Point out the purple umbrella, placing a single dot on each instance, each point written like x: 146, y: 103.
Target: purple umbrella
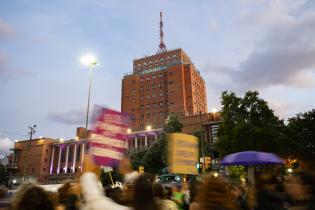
x: 251, y: 158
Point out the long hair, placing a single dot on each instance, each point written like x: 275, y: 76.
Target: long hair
x: 213, y: 194
x: 31, y: 197
x: 144, y: 196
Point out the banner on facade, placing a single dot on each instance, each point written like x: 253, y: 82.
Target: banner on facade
x: 108, y: 141
x: 182, y: 153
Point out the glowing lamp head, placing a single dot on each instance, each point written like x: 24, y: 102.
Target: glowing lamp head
x: 214, y: 110
x: 61, y: 140
x: 215, y: 174
x: 290, y: 170
x: 88, y: 60
x: 128, y: 130
x: 148, y: 127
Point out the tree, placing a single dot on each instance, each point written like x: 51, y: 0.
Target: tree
x: 248, y: 124
x: 4, y: 175
x: 154, y: 159
x: 300, y: 135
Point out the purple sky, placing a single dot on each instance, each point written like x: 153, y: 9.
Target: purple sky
x: 241, y: 45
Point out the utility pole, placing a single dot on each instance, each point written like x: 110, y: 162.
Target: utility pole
x: 202, y: 143
x: 28, y: 147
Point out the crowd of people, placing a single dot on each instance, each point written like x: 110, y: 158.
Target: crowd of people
x: 141, y: 192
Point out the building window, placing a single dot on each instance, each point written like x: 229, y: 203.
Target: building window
x: 154, y: 95
x: 148, y: 115
x: 161, y: 76
x: 142, y: 116
x: 153, y: 77
x: 148, y: 106
x: 141, y: 89
x: 44, y: 169
x: 154, y: 106
x: 33, y: 170
x: 171, y: 82
x: 161, y: 93
x: 141, y: 107
x: 153, y: 86
x: 45, y: 160
x: 132, y: 110
x: 161, y: 114
x: 161, y: 104
x: 148, y: 96
x: 148, y: 78
x: 154, y: 114
x: 141, y: 97
x: 170, y: 73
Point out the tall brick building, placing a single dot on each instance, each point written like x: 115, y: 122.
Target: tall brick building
x: 164, y: 83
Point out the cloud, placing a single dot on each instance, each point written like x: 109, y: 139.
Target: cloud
x: 7, y: 72
x: 71, y: 117
x: 284, y: 52
x: 6, y: 31
x: 5, y: 145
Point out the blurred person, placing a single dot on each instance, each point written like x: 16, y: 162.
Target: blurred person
x: 267, y: 196
x: 308, y: 188
x: 31, y: 197
x: 161, y: 198
x: 143, y: 195
x: 67, y: 196
x: 114, y: 193
x: 4, y: 198
x: 93, y: 196
x: 213, y: 194
x: 178, y: 196
x: 194, y: 205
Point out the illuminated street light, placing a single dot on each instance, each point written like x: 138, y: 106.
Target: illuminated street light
x: 90, y: 61
x: 290, y: 170
x: 215, y: 174
x: 214, y: 111
x: 76, y: 138
x: 128, y: 130
x: 148, y: 127
x: 61, y: 140
x: 93, y: 135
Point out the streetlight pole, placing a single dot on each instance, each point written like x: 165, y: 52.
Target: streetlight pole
x: 88, y: 103
x: 28, y: 147
x: 91, y: 61
x: 202, y: 142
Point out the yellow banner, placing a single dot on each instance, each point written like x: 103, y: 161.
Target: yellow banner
x: 182, y: 153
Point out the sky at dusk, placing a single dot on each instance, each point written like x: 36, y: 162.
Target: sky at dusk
x: 238, y: 45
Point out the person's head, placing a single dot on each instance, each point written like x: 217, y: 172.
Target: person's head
x: 68, y: 195
x: 265, y: 182
x: 143, y: 194
x: 31, y: 197
x: 168, y: 192
x: 213, y: 193
x: 193, y: 190
x: 158, y: 190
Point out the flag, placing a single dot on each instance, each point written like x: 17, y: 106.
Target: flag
x: 108, y: 142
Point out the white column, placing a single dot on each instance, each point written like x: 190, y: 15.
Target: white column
x: 58, y: 168
x: 52, y: 160
x: 82, y: 153
x: 74, y: 157
x: 155, y: 137
x: 67, y: 154
x: 145, y: 140
x: 136, y: 142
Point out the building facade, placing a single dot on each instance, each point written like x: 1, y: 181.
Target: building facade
x: 164, y: 83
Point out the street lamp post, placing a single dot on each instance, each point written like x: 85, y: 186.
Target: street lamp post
x: 28, y: 147
x: 91, y: 61
x: 202, y: 143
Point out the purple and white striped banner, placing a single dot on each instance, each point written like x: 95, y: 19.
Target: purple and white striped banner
x: 108, y: 142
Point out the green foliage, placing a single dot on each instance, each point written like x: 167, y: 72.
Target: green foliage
x: 207, y: 145
x: 236, y: 172
x: 154, y: 159
x: 4, y: 176
x: 300, y: 135
x: 248, y: 124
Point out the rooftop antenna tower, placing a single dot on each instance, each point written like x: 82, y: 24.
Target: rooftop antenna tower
x: 162, y: 46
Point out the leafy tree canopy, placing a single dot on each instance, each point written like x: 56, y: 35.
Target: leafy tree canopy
x: 300, y: 135
x: 154, y: 159
x: 248, y: 124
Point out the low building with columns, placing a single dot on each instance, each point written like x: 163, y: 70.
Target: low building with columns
x: 142, y: 139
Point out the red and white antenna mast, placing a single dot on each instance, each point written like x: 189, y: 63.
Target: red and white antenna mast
x: 162, y: 46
